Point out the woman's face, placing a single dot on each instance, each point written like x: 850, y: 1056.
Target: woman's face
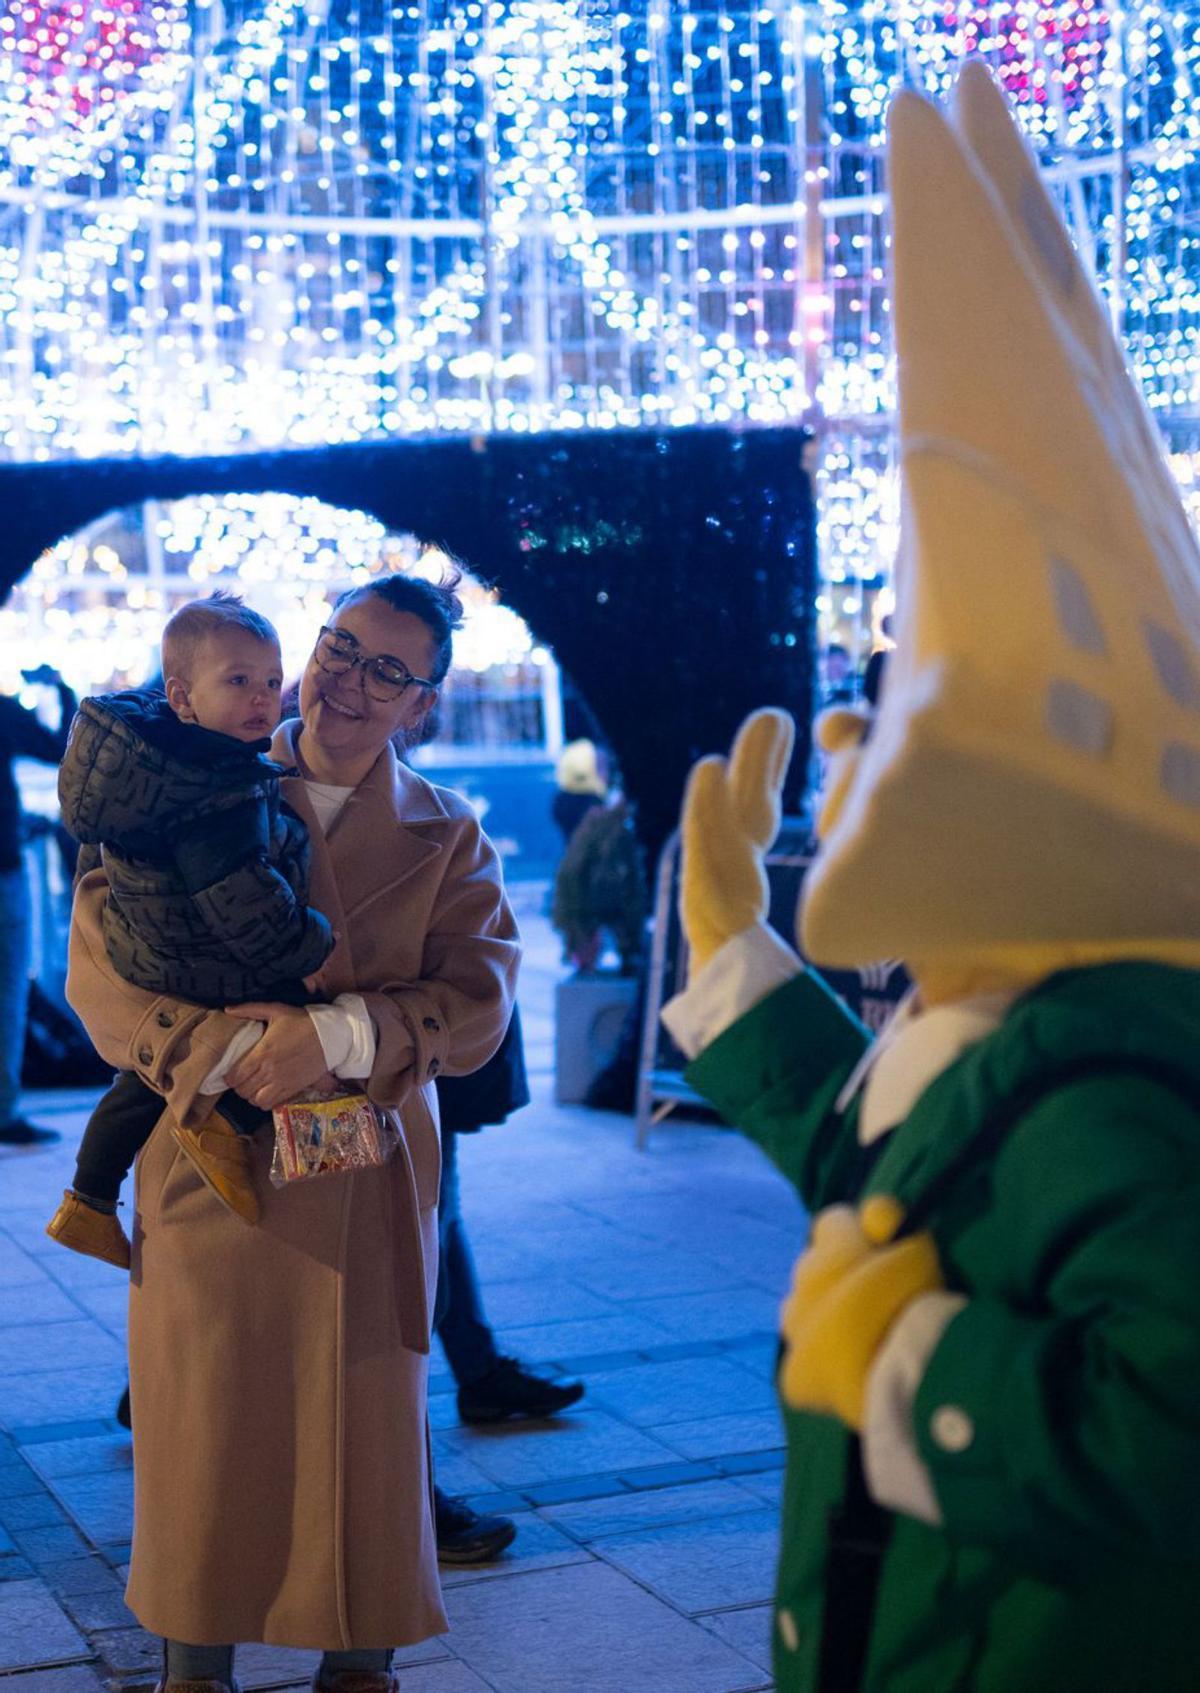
x: 340, y: 715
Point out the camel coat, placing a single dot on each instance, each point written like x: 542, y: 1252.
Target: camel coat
x: 278, y: 1372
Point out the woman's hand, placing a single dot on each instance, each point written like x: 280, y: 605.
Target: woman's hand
x: 286, y: 1061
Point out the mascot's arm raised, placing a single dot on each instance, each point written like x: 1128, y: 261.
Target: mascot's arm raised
x: 772, y: 1046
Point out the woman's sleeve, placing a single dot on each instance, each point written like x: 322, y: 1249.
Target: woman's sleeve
x: 452, y: 1019
x: 171, y: 1044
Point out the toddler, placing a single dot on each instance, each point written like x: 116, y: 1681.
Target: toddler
x: 208, y: 879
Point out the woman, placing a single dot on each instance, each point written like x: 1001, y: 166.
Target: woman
x: 278, y: 1371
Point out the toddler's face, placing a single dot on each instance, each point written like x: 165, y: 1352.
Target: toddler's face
x: 234, y: 688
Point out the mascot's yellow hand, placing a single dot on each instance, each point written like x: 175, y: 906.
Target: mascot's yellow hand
x: 730, y: 817
x: 847, y: 1290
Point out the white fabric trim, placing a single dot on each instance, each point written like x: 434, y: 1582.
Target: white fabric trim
x: 745, y: 970
x: 326, y: 800
x: 347, y: 1035
x: 897, y: 1478
x: 247, y: 1036
x: 916, y: 1047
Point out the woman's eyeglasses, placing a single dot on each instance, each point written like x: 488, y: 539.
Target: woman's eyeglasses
x: 383, y: 678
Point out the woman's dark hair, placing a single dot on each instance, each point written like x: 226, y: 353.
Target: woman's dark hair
x: 436, y: 603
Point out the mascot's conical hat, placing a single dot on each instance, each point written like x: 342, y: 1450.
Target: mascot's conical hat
x: 1033, y: 777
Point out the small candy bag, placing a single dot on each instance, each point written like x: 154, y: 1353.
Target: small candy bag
x: 321, y: 1137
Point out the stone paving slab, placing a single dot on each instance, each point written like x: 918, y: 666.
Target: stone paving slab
x: 722, y: 1315
x: 591, y: 1630
x: 553, y: 1342
x: 540, y: 1545
x: 701, y: 1566
x: 583, y: 1444
x: 450, y: 1676
x: 37, y: 1301
x: 748, y: 1630
x: 34, y: 1629
x: 656, y: 1274
x: 591, y: 1520
x: 710, y: 1437
x: 532, y: 1301
x: 29, y: 1348
x: 646, y: 1517
x: 101, y: 1505
x: 52, y: 1395
x: 675, y: 1392
x: 63, y: 1678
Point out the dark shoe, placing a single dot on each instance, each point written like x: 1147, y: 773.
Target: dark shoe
x: 122, y: 1413
x: 510, y: 1390
x: 166, y: 1685
x: 19, y: 1131
x: 358, y: 1681
x: 465, y: 1537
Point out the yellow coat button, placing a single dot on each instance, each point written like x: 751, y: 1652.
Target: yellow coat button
x: 788, y: 1632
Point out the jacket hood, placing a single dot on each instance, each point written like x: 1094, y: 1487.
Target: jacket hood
x: 132, y: 769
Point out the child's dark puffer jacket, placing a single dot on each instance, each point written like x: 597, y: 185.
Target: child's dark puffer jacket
x: 207, y: 869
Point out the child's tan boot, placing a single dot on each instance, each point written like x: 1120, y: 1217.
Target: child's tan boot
x: 98, y: 1234
x: 222, y: 1157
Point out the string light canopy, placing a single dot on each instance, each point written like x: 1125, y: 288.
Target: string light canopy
x: 230, y: 224
x: 1108, y: 97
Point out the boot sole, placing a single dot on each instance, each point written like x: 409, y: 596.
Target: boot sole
x: 479, y: 1556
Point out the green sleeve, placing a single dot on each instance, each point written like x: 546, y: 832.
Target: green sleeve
x: 1060, y: 1413
x: 776, y: 1073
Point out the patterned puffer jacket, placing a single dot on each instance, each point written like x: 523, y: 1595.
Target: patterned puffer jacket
x: 207, y: 869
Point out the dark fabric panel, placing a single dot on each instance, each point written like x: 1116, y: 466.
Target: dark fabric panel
x: 673, y: 574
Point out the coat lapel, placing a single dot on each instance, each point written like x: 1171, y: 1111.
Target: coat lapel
x: 376, y: 842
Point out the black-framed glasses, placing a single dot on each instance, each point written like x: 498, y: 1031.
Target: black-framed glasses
x: 384, y: 678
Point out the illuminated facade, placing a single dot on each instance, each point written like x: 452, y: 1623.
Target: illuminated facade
x: 301, y: 221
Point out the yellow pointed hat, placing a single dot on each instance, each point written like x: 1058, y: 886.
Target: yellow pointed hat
x: 1032, y: 782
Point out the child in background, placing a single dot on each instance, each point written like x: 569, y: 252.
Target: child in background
x: 208, y: 881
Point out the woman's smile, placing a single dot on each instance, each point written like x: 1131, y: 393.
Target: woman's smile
x: 339, y: 707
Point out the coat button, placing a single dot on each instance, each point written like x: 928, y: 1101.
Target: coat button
x: 788, y: 1632
x: 166, y: 1019
x: 432, y: 1024
x: 434, y: 1067
x: 952, y: 1428
x: 145, y: 1055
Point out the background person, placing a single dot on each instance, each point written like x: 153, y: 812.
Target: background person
x: 22, y: 735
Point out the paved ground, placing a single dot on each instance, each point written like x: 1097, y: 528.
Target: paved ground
x: 647, y: 1518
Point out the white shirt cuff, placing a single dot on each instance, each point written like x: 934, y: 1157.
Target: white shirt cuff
x: 897, y: 1478
x: 347, y: 1036
x: 247, y: 1036
x: 746, y: 969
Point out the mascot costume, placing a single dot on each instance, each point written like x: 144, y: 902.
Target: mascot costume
x: 990, y: 1365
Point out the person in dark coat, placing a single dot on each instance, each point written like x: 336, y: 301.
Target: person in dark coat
x: 208, y: 879
x: 492, y: 1388
x: 21, y: 736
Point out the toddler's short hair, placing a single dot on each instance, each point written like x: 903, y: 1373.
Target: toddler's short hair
x: 193, y: 623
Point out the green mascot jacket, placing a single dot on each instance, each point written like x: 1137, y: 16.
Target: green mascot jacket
x: 1057, y: 1165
